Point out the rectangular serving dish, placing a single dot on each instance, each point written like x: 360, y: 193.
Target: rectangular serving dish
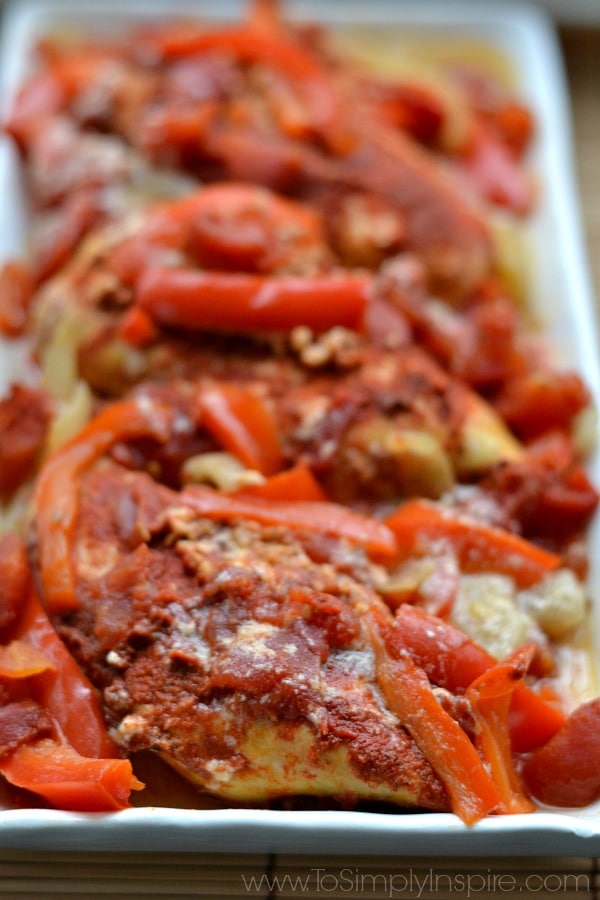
x: 562, y: 299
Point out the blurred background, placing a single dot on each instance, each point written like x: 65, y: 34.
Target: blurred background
x: 580, y: 41
x: 573, y: 10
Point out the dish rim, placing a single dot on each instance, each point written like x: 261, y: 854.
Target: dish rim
x: 258, y: 830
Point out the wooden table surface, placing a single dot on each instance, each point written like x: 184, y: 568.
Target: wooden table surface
x: 27, y: 874
x: 582, y: 59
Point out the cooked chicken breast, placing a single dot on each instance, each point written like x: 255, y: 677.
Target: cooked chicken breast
x: 233, y: 653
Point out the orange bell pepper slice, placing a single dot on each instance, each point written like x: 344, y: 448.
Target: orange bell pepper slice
x: 297, y: 483
x: 241, y: 421
x: 37, y: 660
x: 62, y: 690
x: 69, y: 781
x: 453, y: 661
x: 56, y: 496
x: 319, y: 517
x: 419, y: 525
x: 440, y: 738
x: 490, y: 698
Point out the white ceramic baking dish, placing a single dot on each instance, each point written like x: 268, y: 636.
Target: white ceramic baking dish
x: 562, y: 296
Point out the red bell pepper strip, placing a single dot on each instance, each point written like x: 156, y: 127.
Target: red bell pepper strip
x: 490, y: 698
x: 187, y: 298
x: 56, y: 496
x: 322, y: 518
x: 69, y: 781
x: 240, y: 420
x: 62, y: 690
x: 440, y: 738
x: 566, y: 770
x: 453, y: 661
x: 419, y: 525
x: 297, y: 483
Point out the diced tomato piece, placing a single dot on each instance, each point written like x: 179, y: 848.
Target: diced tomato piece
x: 20, y: 723
x: 14, y: 572
x: 566, y: 770
x: 24, y: 418
x: 16, y: 293
x: 539, y: 402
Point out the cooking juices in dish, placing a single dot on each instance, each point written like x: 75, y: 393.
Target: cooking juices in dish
x: 296, y: 497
